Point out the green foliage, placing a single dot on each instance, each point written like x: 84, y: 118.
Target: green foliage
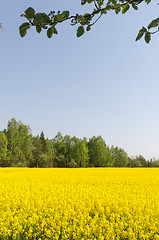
x: 43, y: 142
x: 24, y: 142
x: 88, y: 28
x: 3, y: 148
x: 23, y: 29
x: 42, y: 152
x: 147, y: 1
x: 38, y: 29
x: 146, y: 33
x: 79, y: 152
x: 98, y: 152
x: 29, y: 13
x: 19, y: 142
x: 141, y: 33
x: 154, y: 23
x: 50, y: 153
x: 19, y: 148
x: 66, y: 14
x: 36, y: 152
x: 50, y: 32
x: 147, y: 37
x: 41, y: 19
x: 72, y: 164
x: 100, y: 7
x: 117, y: 10
x: 125, y: 8
x: 13, y: 140
x: 59, y: 146
x: 80, y: 31
x: 134, y: 6
x: 83, y: 2
x: 140, y: 161
x: 119, y: 157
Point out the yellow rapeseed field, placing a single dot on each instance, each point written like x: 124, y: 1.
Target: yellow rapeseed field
x: 93, y: 203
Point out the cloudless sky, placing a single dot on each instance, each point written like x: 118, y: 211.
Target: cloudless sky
x: 103, y: 83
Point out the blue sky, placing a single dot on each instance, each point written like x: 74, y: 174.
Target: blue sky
x: 103, y: 83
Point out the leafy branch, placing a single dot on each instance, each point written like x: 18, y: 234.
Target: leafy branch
x: 146, y: 31
x: 50, y: 21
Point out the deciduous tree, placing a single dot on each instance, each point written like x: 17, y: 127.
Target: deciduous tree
x: 119, y: 157
x: 3, y: 149
x: 99, y: 153
x: 12, y: 134
x: 19, y: 142
x: 80, y: 152
x: 59, y: 145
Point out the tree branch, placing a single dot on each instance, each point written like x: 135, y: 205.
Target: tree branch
x: 43, y: 20
x: 95, y: 21
x: 95, y: 4
x: 154, y: 31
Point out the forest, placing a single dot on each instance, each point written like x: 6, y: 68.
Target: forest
x: 19, y: 148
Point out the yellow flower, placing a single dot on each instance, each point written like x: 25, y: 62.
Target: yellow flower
x: 95, y: 203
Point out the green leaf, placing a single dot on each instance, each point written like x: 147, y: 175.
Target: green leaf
x: 148, y: 1
x: 139, y: 36
x: 60, y: 16
x: 50, y: 32
x: 23, y: 29
x: 108, y: 6
x: 38, y: 29
x: 100, y: 3
x: 55, y: 30
x: 141, y: 33
x: 154, y: 23
x: 88, y: 28
x: 44, y: 26
x: 29, y: 13
x: 104, y: 11
x: 125, y: 8
x: 117, y: 10
x: 134, y: 6
x: 66, y: 13
x: 114, y: 2
x: 74, y: 23
x: 147, y: 37
x: 117, y: 5
x: 82, y: 19
x: 80, y: 31
x: 41, y: 19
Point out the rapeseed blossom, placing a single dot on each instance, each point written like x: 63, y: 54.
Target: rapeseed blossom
x: 93, y: 203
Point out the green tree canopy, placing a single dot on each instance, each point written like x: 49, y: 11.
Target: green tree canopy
x: 19, y: 148
x: 85, y: 21
x: 142, y: 160
x: 60, y: 150
x: 19, y: 142
x: 119, y: 157
x: 38, y: 157
x: 3, y: 148
x: 43, y: 142
x: 79, y: 152
x: 99, y: 153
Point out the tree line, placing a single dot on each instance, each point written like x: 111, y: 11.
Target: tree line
x: 19, y: 148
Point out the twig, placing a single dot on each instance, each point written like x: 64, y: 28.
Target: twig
x: 95, y: 21
x: 96, y: 5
